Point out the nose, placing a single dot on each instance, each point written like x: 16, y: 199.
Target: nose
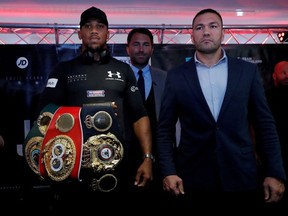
x: 141, y: 48
x: 206, y: 30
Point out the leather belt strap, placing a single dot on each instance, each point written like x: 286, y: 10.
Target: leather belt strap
x: 100, y: 118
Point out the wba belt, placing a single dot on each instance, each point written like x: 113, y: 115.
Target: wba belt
x: 102, y: 148
x: 66, y: 141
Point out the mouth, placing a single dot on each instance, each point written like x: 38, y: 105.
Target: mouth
x: 206, y: 41
x: 94, y: 39
x: 141, y: 55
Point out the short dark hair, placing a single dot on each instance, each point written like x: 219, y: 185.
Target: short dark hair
x: 142, y: 31
x: 207, y: 10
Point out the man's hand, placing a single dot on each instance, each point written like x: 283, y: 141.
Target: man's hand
x: 144, y: 173
x: 273, y: 189
x: 173, y: 184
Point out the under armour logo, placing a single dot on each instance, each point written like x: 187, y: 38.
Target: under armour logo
x: 110, y: 74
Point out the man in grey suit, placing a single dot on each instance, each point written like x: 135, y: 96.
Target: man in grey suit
x: 217, y: 99
x: 140, y: 48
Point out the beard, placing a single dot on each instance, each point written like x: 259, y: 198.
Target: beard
x: 94, y: 50
x: 208, y: 49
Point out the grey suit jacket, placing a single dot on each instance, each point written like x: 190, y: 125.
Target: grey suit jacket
x: 158, y: 83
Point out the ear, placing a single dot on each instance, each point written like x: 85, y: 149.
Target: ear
x: 192, y: 37
x: 223, y: 34
x: 127, y: 50
x: 274, y: 76
x: 108, y: 36
x: 79, y: 35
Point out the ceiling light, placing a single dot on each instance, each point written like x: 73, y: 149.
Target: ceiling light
x: 283, y: 36
x: 239, y: 13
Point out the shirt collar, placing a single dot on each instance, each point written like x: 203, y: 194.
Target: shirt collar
x: 144, y: 70
x: 224, y: 58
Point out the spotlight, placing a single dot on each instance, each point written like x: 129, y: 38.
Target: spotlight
x: 283, y: 36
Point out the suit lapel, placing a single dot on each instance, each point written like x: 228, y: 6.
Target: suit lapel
x: 191, y: 77
x: 234, y: 73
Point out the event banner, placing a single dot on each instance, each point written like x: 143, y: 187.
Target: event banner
x: 24, y: 70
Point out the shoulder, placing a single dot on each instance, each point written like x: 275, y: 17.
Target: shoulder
x: 66, y: 63
x: 240, y: 61
x: 118, y: 64
x: 187, y: 65
x: 116, y: 61
x: 158, y: 71
x: 243, y: 66
x: 158, y: 75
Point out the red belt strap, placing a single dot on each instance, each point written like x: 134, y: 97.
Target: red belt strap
x: 64, y: 134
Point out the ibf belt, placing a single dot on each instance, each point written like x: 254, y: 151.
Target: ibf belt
x: 33, y: 141
x: 61, y: 148
x: 102, y: 148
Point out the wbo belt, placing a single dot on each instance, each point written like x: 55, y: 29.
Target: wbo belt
x: 72, y: 140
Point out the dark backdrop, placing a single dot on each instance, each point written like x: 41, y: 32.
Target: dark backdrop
x: 24, y: 70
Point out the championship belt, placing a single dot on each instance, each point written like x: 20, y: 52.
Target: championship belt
x: 102, y: 148
x: 33, y: 141
x: 61, y: 148
x: 66, y: 141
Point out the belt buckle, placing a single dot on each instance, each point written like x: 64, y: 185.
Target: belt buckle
x: 102, y: 152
